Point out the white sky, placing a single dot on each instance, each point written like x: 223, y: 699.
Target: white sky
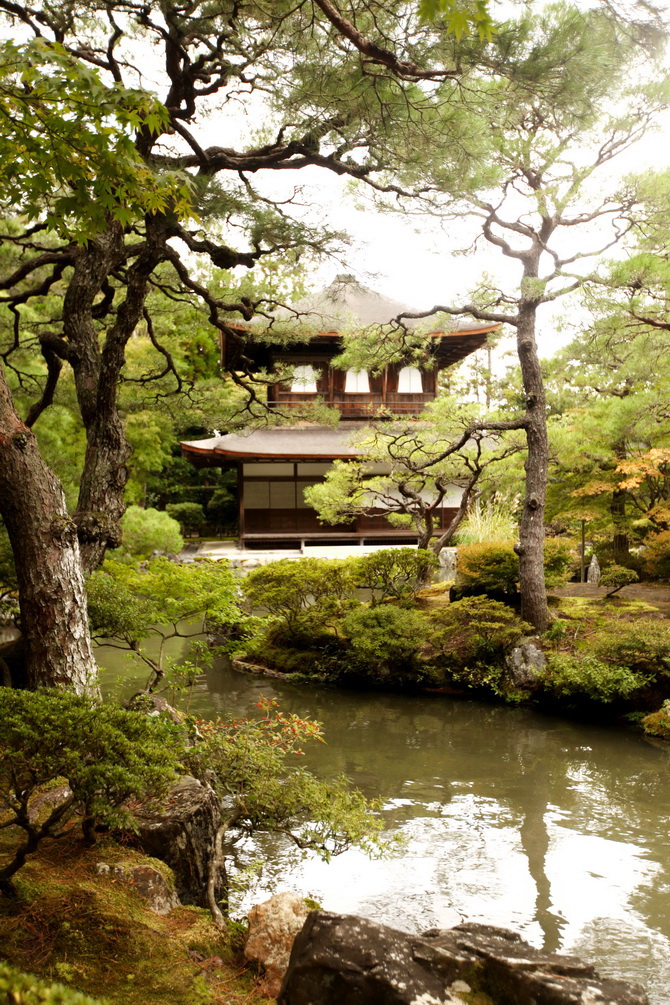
x: 413, y: 260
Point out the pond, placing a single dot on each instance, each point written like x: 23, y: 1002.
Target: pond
x: 556, y: 829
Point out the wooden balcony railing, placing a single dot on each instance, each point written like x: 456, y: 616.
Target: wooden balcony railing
x: 353, y: 406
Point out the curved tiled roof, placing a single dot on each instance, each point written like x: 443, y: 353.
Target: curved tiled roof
x: 348, y: 303
x: 279, y: 443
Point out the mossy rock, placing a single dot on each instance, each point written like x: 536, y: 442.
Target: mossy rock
x: 658, y: 723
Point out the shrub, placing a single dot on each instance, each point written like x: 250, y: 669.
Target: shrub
x: 104, y: 753
x: 656, y: 555
x: 586, y: 676
x: 189, y: 515
x: 471, y: 637
x: 493, y: 566
x: 250, y: 763
x: 386, y: 639
x: 159, y: 600
x: 222, y: 507
x: 302, y: 593
x: 323, y: 663
x: 395, y: 572
x: 616, y: 577
x: 658, y: 723
x: 147, y: 530
x: 475, y: 628
x: 24, y: 989
x: 489, y: 567
x: 558, y: 561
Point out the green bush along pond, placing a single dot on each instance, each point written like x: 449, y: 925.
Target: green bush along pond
x: 601, y: 657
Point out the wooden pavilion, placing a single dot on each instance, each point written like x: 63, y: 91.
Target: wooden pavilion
x: 276, y: 464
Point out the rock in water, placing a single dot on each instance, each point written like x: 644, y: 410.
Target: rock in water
x: 345, y: 960
x: 273, y: 926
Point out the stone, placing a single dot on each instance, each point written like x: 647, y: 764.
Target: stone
x: 346, y: 960
x: 254, y: 668
x: 154, y: 705
x: 153, y: 887
x: 44, y: 802
x: 147, y: 881
x: 273, y: 926
x: 526, y: 663
x: 593, y: 574
x: 182, y: 834
x: 447, y: 564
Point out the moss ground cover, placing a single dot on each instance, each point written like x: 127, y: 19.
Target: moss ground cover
x: 94, y: 934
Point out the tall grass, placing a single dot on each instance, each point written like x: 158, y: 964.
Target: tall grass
x: 493, y: 520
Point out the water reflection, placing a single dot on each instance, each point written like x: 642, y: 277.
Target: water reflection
x: 556, y: 829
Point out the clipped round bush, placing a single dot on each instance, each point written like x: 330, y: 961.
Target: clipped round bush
x: 189, y: 515
x: 396, y: 572
x: 470, y: 639
x: 488, y: 567
x: 493, y: 566
x: 475, y: 628
x: 386, y: 639
x: 615, y: 577
x: 149, y: 530
x: 301, y: 594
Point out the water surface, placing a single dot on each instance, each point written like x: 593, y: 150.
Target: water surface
x: 558, y: 830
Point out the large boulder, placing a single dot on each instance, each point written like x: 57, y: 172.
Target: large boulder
x: 346, y: 960
x: 273, y: 926
x: 182, y: 834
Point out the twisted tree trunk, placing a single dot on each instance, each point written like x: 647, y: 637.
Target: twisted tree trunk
x: 52, y: 597
x: 97, y: 373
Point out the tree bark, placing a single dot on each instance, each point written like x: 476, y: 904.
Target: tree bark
x: 52, y: 596
x: 620, y: 542
x: 97, y: 373
x: 530, y: 548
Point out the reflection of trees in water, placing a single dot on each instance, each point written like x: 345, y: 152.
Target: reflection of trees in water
x: 631, y: 952
x: 601, y: 781
x: 538, y: 768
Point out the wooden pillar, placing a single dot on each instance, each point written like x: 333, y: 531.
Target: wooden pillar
x: 240, y: 504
